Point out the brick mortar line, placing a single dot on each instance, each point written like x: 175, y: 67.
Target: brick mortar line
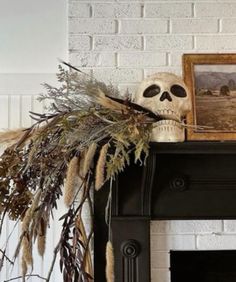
x: 133, y: 2
x: 153, y: 34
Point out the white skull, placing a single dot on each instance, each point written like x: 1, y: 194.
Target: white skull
x: 165, y: 94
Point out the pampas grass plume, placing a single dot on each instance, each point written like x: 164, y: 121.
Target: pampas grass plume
x: 23, y: 268
x: 27, y: 251
x: 11, y: 136
x: 71, y: 181
x: 110, y: 262
x: 89, y: 158
x: 99, y: 180
x: 41, y: 238
x: 27, y: 258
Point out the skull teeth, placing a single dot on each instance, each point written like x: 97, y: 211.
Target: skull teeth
x: 168, y: 123
x: 169, y: 114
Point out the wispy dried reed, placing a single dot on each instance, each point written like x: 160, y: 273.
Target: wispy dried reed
x: 110, y: 262
x: 41, y: 238
x: 100, y: 168
x: 27, y: 258
x: 89, y: 158
x: 71, y: 184
x: 11, y: 136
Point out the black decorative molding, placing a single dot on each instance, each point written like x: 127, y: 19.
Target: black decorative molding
x: 178, y: 183
x: 191, y: 180
x: 131, y: 237
x: 130, y: 250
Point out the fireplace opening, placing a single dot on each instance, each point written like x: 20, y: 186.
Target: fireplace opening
x: 203, y: 266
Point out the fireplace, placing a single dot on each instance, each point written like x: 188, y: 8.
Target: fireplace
x: 204, y: 266
x: 181, y: 203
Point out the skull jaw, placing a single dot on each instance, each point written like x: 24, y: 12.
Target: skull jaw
x: 167, y: 132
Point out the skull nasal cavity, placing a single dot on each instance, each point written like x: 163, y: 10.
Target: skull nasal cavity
x: 165, y: 95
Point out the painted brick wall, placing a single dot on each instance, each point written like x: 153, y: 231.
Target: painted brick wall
x: 187, y: 235
x: 124, y: 41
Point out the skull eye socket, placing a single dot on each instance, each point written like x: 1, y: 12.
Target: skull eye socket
x: 152, y: 91
x: 178, y: 91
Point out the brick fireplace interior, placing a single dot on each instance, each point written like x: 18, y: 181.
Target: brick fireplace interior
x: 204, y: 266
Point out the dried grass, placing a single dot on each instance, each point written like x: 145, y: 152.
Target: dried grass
x: 41, y: 238
x: 27, y: 250
x: 27, y: 257
x: 110, y: 277
x: 89, y: 158
x: 108, y: 103
x: 11, y: 136
x: 24, y: 268
x: 100, y: 168
x: 71, y: 184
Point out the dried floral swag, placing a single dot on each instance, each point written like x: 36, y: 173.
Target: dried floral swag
x: 86, y: 139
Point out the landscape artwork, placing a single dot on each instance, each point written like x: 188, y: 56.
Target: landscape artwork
x: 215, y: 97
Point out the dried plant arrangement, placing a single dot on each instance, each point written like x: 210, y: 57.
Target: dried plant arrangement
x: 86, y: 138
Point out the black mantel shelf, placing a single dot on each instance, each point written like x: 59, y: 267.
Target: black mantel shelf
x: 195, y: 147
x: 190, y: 180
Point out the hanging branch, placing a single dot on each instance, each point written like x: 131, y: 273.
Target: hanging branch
x: 86, y: 138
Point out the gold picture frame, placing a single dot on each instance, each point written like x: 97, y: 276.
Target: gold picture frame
x: 211, y: 79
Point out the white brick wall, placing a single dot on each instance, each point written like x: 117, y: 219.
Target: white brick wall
x: 187, y: 235
x: 108, y: 37
x: 122, y: 41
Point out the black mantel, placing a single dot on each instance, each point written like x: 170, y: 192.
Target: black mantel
x: 190, y: 180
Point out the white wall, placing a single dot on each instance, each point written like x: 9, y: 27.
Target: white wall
x: 33, y: 34
x: 122, y: 41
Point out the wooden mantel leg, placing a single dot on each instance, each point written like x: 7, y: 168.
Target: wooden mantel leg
x: 131, y: 242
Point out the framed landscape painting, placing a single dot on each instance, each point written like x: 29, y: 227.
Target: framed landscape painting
x: 211, y: 79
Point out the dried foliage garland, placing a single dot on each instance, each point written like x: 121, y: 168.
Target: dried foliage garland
x: 86, y: 138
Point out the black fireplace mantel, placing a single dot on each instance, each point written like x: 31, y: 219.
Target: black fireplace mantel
x: 190, y: 180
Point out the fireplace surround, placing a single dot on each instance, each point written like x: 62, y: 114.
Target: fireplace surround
x: 181, y: 181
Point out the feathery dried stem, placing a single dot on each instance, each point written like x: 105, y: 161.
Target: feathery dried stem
x: 11, y: 136
x: 27, y: 257
x: 89, y: 158
x: 110, y: 262
x: 30, y: 212
x: 23, y: 267
x: 100, y: 178
x: 41, y: 238
x: 108, y: 103
x: 71, y: 181
x: 27, y: 251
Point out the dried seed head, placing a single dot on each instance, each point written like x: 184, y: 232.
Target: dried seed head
x: 30, y: 212
x: 23, y: 267
x: 11, y: 136
x: 110, y: 262
x: 27, y: 250
x: 89, y: 158
x: 100, y: 178
x: 71, y: 184
x: 41, y: 238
